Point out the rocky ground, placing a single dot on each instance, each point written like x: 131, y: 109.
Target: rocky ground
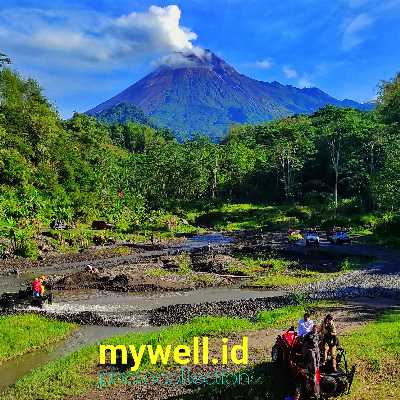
x: 372, y: 283
x: 191, y: 265
x: 164, y: 273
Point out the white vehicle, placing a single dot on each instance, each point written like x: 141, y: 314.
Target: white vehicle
x: 339, y: 237
x: 312, y: 238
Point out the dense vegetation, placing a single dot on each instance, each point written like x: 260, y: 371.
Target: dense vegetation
x: 342, y: 160
x: 122, y: 113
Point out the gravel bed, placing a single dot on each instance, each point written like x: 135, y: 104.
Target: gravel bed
x: 374, y: 283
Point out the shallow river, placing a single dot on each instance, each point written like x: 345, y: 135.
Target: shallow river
x: 125, y: 305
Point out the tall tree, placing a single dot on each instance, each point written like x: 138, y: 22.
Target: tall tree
x: 389, y: 100
x: 337, y: 127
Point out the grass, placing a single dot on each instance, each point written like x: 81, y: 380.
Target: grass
x: 376, y: 227
x: 184, y: 267
x: 266, y: 272
x: 204, y: 279
x: 375, y: 349
x: 157, y: 272
x: 184, y: 264
x: 23, y: 333
x: 233, y: 217
x: 277, y: 272
x: 73, y: 374
x: 352, y: 264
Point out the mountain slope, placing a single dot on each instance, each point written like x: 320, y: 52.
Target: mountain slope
x: 124, y: 112
x: 206, y: 95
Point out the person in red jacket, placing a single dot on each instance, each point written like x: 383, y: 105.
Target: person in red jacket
x: 38, y: 287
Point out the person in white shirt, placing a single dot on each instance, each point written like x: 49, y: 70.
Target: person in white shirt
x: 305, y: 325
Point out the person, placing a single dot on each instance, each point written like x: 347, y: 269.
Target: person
x: 305, y: 325
x: 91, y: 269
x: 311, y: 354
x: 42, y: 280
x: 38, y: 288
x: 329, y: 340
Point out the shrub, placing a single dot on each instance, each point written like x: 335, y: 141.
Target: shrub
x: 27, y: 249
x: 389, y: 225
x: 370, y: 220
x: 185, y: 264
x: 300, y: 212
x: 348, y: 206
x: 22, y: 243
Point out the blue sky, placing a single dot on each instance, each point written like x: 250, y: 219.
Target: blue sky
x: 83, y: 52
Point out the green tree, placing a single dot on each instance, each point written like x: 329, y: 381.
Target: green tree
x: 337, y: 128
x: 386, y: 182
x: 389, y: 100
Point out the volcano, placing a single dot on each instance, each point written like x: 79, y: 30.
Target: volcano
x: 203, y: 94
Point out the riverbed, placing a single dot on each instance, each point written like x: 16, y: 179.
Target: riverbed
x: 121, y: 312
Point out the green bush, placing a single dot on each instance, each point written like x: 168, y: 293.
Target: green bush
x: 300, y: 212
x: 370, y: 220
x: 389, y: 225
x: 348, y: 206
x: 27, y: 249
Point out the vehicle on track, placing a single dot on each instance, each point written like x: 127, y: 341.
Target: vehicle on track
x: 293, y: 236
x: 312, y: 238
x: 338, y: 237
x: 326, y: 384
x: 102, y: 225
x: 24, y: 298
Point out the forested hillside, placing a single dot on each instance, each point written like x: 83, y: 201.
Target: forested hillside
x: 80, y: 169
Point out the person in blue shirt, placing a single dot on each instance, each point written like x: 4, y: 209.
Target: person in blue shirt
x: 305, y: 325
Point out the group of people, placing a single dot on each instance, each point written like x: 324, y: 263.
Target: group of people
x: 317, y: 339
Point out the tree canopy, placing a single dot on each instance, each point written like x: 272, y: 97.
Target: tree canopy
x: 81, y: 168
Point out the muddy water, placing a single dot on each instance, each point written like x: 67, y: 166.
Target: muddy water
x: 85, y: 300
x: 11, y: 370
x: 131, y: 309
x: 124, y: 308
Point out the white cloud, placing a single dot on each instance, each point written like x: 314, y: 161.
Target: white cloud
x: 183, y: 58
x: 263, y: 64
x: 89, y: 39
x: 353, y: 29
x: 290, y: 72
